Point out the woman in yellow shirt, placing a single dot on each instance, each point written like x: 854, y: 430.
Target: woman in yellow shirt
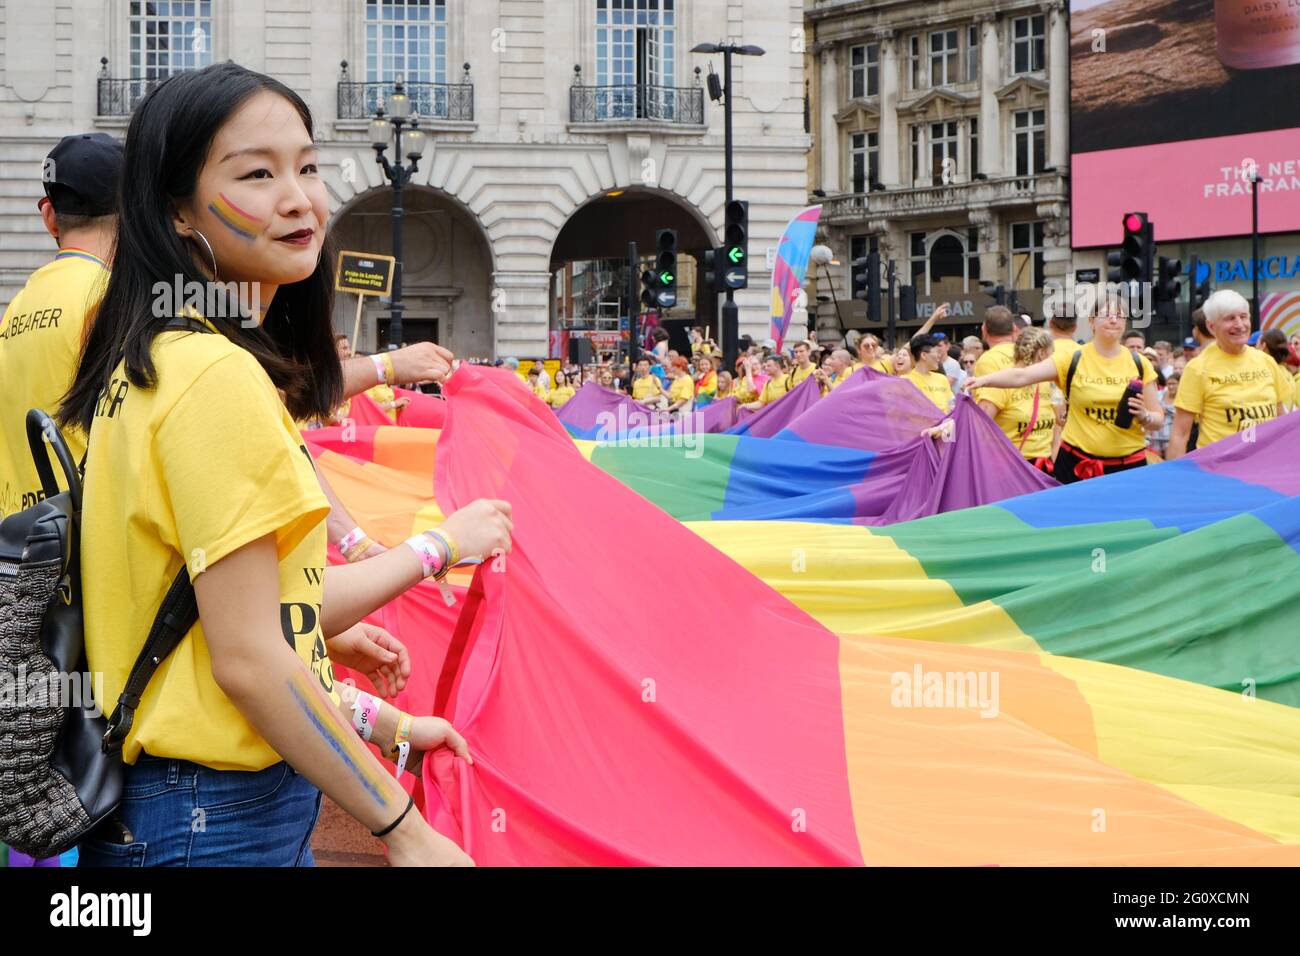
x: 1026, y: 415
x: 928, y: 353
x: 1104, y: 384
x: 646, y: 388
x: 562, y: 392
x: 682, y: 391
x: 778, y: 382
x: 747, y: 386
x: 706, y: 381
x: 900, y: 361
x: 1231, y: 388
x: 197, y: 472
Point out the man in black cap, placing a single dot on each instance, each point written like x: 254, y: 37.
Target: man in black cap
x: 40, y: 335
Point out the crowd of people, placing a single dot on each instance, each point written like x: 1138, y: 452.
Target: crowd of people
x: 1074, y: 409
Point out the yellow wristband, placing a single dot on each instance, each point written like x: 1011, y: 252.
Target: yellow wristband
x: 357, y: 552
x: 390, y: 374
x: 452, y: 551
x: 403, y: 734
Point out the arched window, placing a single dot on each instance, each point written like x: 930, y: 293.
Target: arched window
x: 944, y: 262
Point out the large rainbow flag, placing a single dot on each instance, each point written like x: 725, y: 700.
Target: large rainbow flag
x: 1099, y: 673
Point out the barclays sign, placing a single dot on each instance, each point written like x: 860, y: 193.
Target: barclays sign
x: 1241, y: 270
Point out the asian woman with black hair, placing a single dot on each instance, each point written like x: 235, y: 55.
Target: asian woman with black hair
x: 195, y: 461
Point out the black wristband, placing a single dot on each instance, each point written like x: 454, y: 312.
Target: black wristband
x: 410, y: 802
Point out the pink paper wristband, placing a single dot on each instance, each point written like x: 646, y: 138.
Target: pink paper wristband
x: 431, y: 558
x: 365, y: 711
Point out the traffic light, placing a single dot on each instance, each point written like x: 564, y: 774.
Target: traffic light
x: 649, y: 289
x: 659, y: 290
x: 873, y: 283
x: 1135, y: 260
x: 858, y: 277
x: 866, y: 283
x: 735, y: 250
x: 713, y: 269
x: 666, y: 268
x: 1167, y: 287
x: 1198, y: 285
x: 906, y: 304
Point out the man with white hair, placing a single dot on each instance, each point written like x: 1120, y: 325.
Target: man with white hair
x: 840, y: 365
x: 1230, y: 387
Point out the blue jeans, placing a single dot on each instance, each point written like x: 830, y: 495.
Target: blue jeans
x: 184, y: 814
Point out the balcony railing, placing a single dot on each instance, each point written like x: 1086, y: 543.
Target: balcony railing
x: 119, y: 97
x: 436, y: 101
x: 643, y: 101
x: 925, y: 199
x: 448, y: 101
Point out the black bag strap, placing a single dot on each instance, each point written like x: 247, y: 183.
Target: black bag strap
x: 175, y: 617
x: 42, y: 430
x: 1069, y: 376
x: 177, y: 614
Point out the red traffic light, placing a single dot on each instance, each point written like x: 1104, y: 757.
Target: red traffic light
x: 1133, y: 222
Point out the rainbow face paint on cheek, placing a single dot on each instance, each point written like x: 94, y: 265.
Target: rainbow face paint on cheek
x: 242, y: 224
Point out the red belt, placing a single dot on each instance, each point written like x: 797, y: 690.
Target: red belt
x: 1092, y: 467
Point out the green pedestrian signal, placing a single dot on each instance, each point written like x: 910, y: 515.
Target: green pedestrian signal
x: 664, y: 293
x: 735, y: 235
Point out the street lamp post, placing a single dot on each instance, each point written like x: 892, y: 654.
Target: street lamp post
x: 823, y: 256
x: 385, y: 131
x: 730, y: 314
x: 1254, y: 248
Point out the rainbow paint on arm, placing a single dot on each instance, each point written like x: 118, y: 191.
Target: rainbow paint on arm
x: 242, y: 224
x: 345, y: 745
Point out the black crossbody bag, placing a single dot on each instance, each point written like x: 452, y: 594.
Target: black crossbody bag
x: 61, y: 769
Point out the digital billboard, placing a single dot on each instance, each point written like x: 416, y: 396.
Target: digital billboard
x: 1175, y: 105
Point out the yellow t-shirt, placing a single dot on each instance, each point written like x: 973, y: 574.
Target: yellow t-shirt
x: 934, y: 386
x: 384, y: 396
x: 1068, y: 346
x: 844, y: 376
x: 797, y: 375
x: 1099, y: 384
x: 1229, y: 393
x: 1059, y: 346
x: 40, y: 340
x: 879, y: 365
x: 646, y: 387
x: 774, y: 389
x: 188, y: 472
x: 1015, y: 410
x: 994, y: 359
x: 560, y: 394
x: 682, y: 390
x: 743, y: 391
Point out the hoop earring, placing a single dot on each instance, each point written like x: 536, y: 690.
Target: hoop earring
x: 208, y: 245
